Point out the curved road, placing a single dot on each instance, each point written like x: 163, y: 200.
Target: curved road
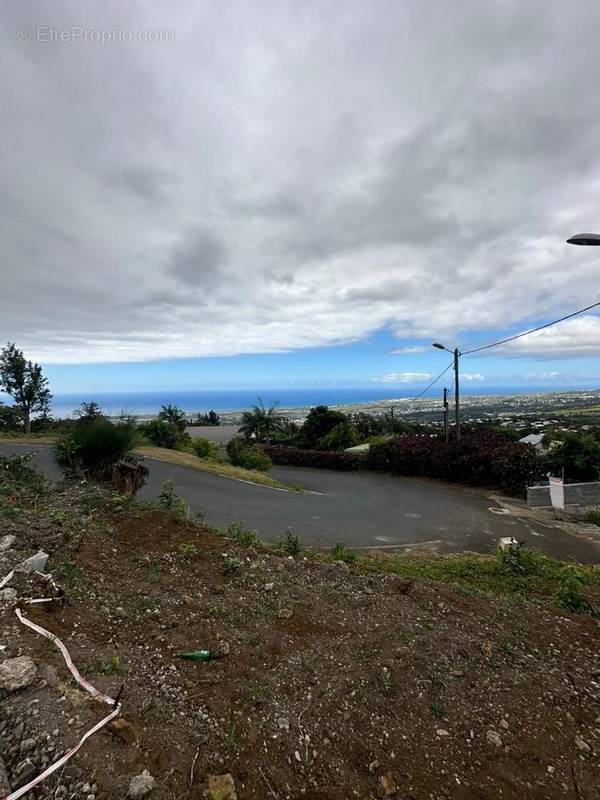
x: 363, y: 510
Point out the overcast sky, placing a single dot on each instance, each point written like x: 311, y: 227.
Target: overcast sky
x: 287, y: 175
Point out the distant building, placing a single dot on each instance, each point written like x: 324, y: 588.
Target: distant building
x: 534, y: 439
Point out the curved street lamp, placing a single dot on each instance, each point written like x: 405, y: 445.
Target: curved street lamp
x: 589, y: 239
x: 455, y: 353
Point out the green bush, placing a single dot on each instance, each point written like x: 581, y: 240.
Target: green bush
x: 290, y: 544
x: 203, y: 448
x: 165, y: 434
x: 592, y: 517
x: 239, y: 533
x: 569, y: 594
x: 341, y: 553
x: 90, y: 450
x: 248, y: 457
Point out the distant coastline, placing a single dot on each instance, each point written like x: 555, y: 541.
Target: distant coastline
x: 232, y: 402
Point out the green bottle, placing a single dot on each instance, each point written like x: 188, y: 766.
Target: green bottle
x: 198, y: 655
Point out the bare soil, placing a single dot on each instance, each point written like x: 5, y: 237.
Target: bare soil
x: 374, y: 686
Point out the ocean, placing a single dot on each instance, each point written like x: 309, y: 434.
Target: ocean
x: 149, y: 403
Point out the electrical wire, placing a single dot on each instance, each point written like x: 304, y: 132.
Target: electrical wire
x: 533, y: 330
x: 433, y: 382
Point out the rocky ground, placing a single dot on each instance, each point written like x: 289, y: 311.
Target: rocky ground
x: 328, y: 684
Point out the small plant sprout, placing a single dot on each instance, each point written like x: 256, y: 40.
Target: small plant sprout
x: 188, y: 549
x: 385, y: 679
x: 438, y: 710
x: 232, y: 565
x: 341, y: 553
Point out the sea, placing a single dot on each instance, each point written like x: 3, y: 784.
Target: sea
x: 142, y: 404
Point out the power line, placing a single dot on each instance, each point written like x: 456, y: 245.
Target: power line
x: 433, y: 382
x: 533, y: 330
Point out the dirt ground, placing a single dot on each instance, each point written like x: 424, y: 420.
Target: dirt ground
x: 372, y: 686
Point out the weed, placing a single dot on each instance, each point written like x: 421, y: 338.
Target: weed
x: 70, y: 575
x: 154, y: 569
x: 341, y: 553
x: 169, y: 501
x: 59, y: 517
x: 256, y: 690
x: 592, y: 517
x: 239, y: 533
x: 385, y: 679
x: 438, y: 710
x: 188, y: 549
x: 520, y: 560
x: 229, y: 739
x: 569, y: 594
x: 113, y: 667
x: 232, y: 566
x: 290, y: 544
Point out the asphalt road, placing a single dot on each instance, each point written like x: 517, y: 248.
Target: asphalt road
x: 363, y: 510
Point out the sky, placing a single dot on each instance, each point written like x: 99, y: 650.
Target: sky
x: 204, y: 195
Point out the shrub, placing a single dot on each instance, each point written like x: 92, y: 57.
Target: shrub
x: 290, y: 544
x: 569, y: 594
x: 341, y: 553
x: 323, y: 459
x: 169, y: 501
x: 248, y: 457
x: 520, y: 560
x: 17, y: 473
x: 203, y: 448
x: 592, y: 517
x: 90, y: 450
x: 484, y: 458
x: 164, y: 434
x: 239, y: 533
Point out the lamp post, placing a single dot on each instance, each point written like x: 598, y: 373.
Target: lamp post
x: 589, y: 239
x: 456, y: 354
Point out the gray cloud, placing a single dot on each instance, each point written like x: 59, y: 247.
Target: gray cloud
x: 300, y: 176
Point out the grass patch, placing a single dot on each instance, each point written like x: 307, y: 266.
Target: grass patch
x: 532, y: 576
x: 27, y: 438
x: 216, y: 468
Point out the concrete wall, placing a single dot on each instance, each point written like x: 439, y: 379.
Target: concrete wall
x: 583, y: 494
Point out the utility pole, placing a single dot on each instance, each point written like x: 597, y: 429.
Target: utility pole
x: 446, y: 429
x: 456, y: 395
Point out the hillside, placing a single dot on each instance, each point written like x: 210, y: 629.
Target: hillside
x: 333, y: 681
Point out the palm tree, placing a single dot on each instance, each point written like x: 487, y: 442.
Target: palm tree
x: 260, y: 423
x: 173, y: 415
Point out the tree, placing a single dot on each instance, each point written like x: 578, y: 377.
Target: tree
x: 11, y: 418
x: 212, y: 418
x: 339, y: 438
x: 173, y: 415
x: 88, y: 412
x: 25, y: 383
x: 578, y: 455
x: 260, y: 422
x: 319, y: 422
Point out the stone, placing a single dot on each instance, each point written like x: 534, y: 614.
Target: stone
x: 373, y: 766
x: 504, y: 724
x: 120, y: 612
x: 141, y: 785
x: 494, y: 738
x: 269, y: 587
x: 401, y: 585
x: 36, y: 563
x: 221, y: 786
x: 4, y: 784
x: 222, y: 649
x: 6, y: 542
x: 442, y: 732
x: 341, y: 565
x: 582, y: 746
x: 387, y: 785
x: 25, y: 772
x: 283, y: 724
x: 284, y: 613
x: 125, y: 731
x: 17, y: 673
x: 8, y: 597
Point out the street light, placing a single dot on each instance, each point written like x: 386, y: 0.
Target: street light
x: 456, y: 354
x: 589, y: 239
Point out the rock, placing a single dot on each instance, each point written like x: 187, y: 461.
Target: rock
x: 387, y: 785
x: 141, y: 785
x: 442, y: 732
x: 36, y: 563
x: 4, y: 784
x: 487, y: 648
x: 401, y: 585
x: 8, y: 597
x: 283, y: 724
x: 284, y: 613
x: 17, y: 673
x: 297, y: 756
x: 494, y: 738
x: 341, y: 565
x: 222, y: 649
x: 373, y: 766
x: 125, y: 731
x: 504, y: 724
x: 583, y: 746
x: 269, y: 587
x: 221, y: 787
x: 25, y: 772
x: 120, y: 612
x: 6, y: 542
